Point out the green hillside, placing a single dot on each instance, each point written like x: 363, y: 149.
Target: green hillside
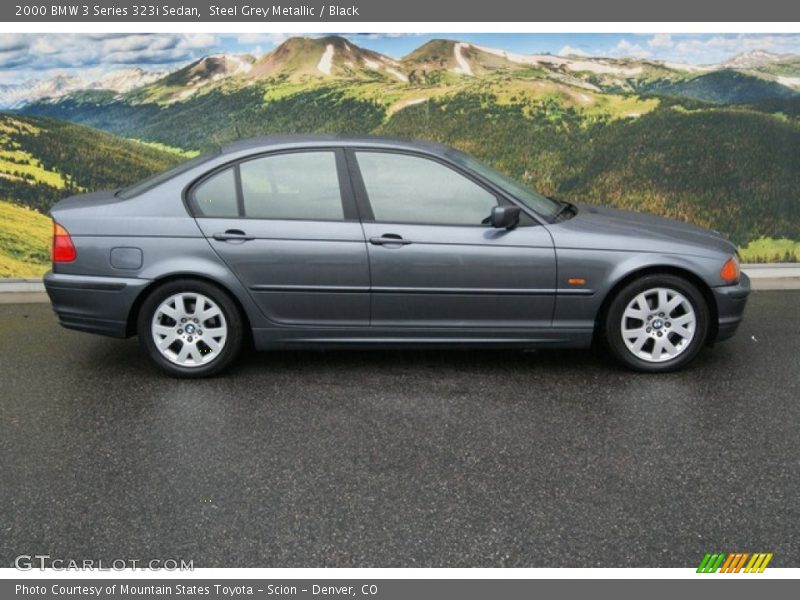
x: 24, y: 241
x: 43, y: 160
x: 719, y: 87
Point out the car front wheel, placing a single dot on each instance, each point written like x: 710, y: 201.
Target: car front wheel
x: 657, y: 323
x: 190, y: 328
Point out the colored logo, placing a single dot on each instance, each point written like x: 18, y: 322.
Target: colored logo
x: 734, y: 562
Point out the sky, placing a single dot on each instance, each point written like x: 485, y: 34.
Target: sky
x: 39, y: 56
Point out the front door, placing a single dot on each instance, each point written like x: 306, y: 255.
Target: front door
x: 433, y: 261
x: 286, y: 225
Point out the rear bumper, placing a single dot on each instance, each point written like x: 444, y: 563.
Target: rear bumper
x: 731, y: 300
x: 93, y: 304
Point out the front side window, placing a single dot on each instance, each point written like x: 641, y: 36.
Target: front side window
x: 537, y: 202
x: 298, y: 185
x: 410, y: 189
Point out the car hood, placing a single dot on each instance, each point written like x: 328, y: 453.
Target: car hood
x: 644, y: 231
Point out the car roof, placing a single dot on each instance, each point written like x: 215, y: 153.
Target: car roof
x: 327, y: 140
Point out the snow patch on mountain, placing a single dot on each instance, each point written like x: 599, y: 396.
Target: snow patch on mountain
x: 510, y: 56
x: 378, y: 65
x: 754, y: 58
x: 463, y: 66
x: 372, y: 64
x: 676, y: 66
x: 325, y: 63
x: 124, y: 80
x: 592, y: 66
x: 792, y: 82
x: 119, y: 81
x: 395, y: 73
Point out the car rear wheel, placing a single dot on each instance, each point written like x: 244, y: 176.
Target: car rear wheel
x: 190, y: 328
x: 657, y: 323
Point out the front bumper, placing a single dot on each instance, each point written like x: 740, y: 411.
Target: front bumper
x: 99, y: 305
x: 731, y: 300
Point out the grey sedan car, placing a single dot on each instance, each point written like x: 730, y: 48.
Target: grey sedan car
x: 323, y: 242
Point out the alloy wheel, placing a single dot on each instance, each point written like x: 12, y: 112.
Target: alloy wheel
x: 658, y: 324
x: 189, y: 329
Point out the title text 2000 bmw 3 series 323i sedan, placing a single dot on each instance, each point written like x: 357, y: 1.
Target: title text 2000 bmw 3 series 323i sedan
x: 364, y: 242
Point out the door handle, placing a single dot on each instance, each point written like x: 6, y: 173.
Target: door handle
x: 233, y: 235
x: 388, y: 239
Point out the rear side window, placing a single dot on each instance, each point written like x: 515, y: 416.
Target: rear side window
x: 216, y: 196
x: 295, y: 185
x: 298, y: 185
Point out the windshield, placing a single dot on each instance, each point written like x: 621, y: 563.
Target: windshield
x: 154, y: 180
x: 542, y: 205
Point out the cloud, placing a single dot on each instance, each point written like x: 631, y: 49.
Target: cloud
x: 661, y: 40
x: 625, y: 49
x: 720, y: 47
x: 378, y: 36
x: 265, y: 39
x: 43, y: 52
x: 11, y: 60
x: 572, y: 50
x: 12, y: 42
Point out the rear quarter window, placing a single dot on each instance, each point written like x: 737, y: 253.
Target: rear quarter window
x: 216, y: 196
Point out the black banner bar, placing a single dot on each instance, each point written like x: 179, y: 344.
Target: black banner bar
x: 730, y: 587
x: 262, y: 11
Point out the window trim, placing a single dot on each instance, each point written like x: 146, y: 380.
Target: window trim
x: 365, y: 207
x: 348, y: 203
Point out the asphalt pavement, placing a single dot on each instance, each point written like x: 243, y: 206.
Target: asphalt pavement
x: 400, y: 459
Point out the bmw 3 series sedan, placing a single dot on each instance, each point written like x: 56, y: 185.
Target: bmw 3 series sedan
x: 323, y: 242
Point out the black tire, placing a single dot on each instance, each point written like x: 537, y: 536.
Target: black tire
x: 612, y: 323
x: 230, y: 312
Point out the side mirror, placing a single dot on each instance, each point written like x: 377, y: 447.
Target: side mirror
x: 505, y: 217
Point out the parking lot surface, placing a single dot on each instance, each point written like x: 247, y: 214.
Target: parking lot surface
x: 400, y: 459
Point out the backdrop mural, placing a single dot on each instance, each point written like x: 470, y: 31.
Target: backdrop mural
x: 700, y: 128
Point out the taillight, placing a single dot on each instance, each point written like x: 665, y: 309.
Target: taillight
x: 730, y: 270
x: 63, y: 248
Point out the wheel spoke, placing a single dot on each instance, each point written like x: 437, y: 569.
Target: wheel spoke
x: 180, y: 307
x: 164, y: 330
x: 169, y: 311
x: 639, y: 343
x: 212, y: 344
x: 668, y: 346
x: 166, y: 342
x: 194, y: 354
x: 183, y: 354
x: 661, y: 304
x: 674, y: 303
x: 682, y: 332
x: 641, y: 302
x: 635, y: 313
x: 209, y: 313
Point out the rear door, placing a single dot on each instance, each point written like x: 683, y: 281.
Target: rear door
x: 286, y: 225
x: 434, y: 262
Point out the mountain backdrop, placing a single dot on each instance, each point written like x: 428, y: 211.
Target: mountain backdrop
x: 717, y: 145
